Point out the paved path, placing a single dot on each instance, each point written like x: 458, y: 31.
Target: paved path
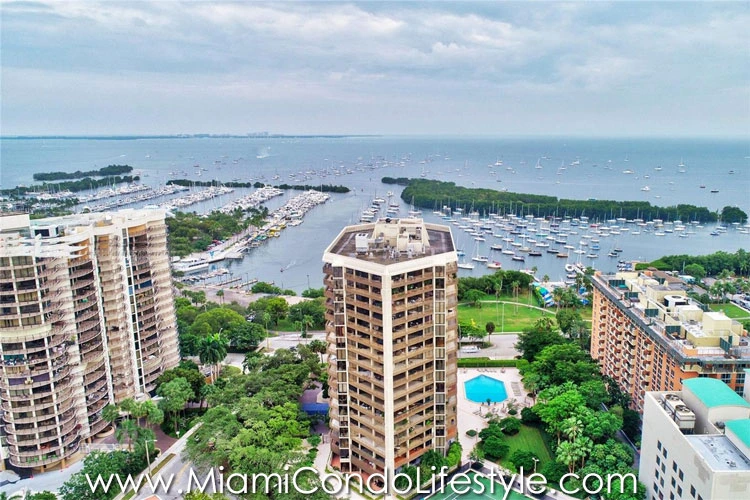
x: 503, y: 347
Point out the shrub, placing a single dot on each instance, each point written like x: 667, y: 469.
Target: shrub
x: 523, y: 458
x: 510, y: 425
x: 314, y: 440
x: 529, y: 417
x: 486, y: 362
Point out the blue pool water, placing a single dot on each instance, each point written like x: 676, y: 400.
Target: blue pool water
x: 480, y: 388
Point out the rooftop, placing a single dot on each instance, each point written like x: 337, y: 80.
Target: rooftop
x: 713, y: 392
x: 741, y: 428
x: 719, y: 452
x: 681, y: 324
x: 389, y: 241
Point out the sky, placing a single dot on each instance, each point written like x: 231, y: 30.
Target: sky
x: 415, y: 68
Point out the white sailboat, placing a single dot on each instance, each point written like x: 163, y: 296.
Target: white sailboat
x: 477, y: 257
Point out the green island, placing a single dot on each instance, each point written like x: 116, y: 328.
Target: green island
x: 78, y: 174
x: 325, y: 188
x: 427, y: 193
x: 73, y: 186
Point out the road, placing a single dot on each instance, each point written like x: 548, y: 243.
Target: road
x: 176, y: 473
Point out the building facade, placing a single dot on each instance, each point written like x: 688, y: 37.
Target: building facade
x: 648, y: 335
x: 86, y: 319
x: 391, y: 294
x: 696, y: 443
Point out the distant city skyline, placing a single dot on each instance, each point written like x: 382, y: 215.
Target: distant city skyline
x: 436, y: 68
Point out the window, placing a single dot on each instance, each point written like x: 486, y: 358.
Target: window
x: 664, y: 453
x: 681, y: 475
x: 674, y: 482
x: 658, y: 445
x: 658, y: 460
x: 679, y: 491
x: 692, y: 491
x: 700, y: 497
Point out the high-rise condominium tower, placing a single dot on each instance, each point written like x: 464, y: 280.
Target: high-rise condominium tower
x: 391, y: 290
x: 86, y: 318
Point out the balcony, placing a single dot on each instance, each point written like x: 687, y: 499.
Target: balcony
x: 96, y: 407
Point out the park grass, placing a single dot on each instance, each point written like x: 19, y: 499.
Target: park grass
x: 285, y: 325
x: 528, y: 439
x: 516, y: 318
x: 730, y: 310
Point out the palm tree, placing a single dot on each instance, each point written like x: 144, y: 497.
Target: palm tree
x: 583, y: 446
x: 318, y: 346
x: 154, y: 415
x: 220, y: 294
x: 211, y: 351
x: 110, y: 413
x: 139, y: 411
x: 127, y: 431
x: 305, y: 323
x: 516, y: 286
x: 567, y: 455
x: 572, y: 428
x: 128, y: 406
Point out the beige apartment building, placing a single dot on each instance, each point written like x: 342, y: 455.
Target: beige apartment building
x: 391, y: 290
x: 648, y: 335
x: 86, y: 319
x: 696, y: 443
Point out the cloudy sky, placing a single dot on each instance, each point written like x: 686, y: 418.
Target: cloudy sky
x: 587, y: 68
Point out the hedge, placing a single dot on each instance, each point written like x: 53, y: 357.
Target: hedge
x: 487, y: 362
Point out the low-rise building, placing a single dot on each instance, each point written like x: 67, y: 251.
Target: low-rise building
x: 696, y: 443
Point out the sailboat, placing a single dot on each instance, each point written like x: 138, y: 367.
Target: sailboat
x: 462, y: 264
x: 539, y: 163
x: 413, y: 211
x: 477, y: 257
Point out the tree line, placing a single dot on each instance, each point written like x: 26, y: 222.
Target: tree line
x: 700, y: 266
x: 101, y: 172
x: 74, y: 186
x: 426, y: 193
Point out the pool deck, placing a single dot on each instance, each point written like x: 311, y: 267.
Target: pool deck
x: 471, y: 415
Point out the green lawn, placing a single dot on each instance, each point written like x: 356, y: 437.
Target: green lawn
x: 528, y: 439
x: 730, y: 310
x: 514, y: 319
x: 285, y: 325
x: 484, y: 492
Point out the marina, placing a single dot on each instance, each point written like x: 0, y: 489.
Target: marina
x: 360, y: 163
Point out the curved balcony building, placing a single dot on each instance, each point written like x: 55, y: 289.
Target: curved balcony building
x: 77, y: 328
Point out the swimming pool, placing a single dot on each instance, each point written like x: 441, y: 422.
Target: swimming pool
x: 481, y: 388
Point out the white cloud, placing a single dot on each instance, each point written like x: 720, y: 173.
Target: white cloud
x: 425, y: 56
